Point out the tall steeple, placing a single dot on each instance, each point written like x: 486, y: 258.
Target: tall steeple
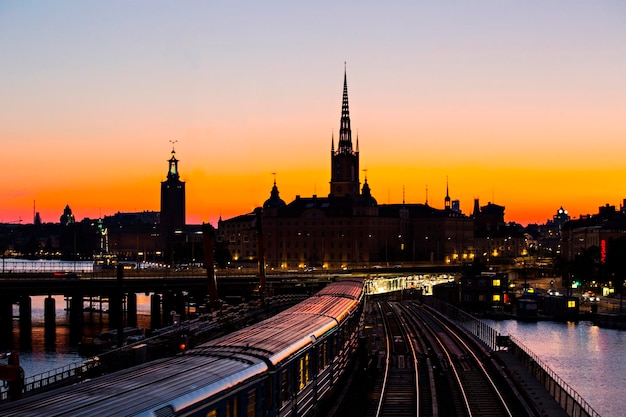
x: 344, y: 180
x: 345, y: 133
x: 447, y: 203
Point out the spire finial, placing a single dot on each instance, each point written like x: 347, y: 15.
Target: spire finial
x: 274, y: 174
x: 173, y: 142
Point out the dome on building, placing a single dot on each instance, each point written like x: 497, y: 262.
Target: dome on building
x: 274, y: 201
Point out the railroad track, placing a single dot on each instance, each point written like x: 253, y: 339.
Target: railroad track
x: 399, y: 391
x: 467, y: 382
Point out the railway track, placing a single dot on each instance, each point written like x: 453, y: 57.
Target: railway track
x: 399, y: 391
x: 423, y: 365
x: 467, y: 381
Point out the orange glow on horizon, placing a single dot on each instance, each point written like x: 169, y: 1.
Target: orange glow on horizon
x: 530, y: 196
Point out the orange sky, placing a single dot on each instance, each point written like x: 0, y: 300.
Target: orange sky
x: 522, y: 105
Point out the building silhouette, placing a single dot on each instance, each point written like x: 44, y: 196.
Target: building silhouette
x: 348, y: 228
x: 172, y: 219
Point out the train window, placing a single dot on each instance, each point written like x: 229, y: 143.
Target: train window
x: 307, y: 368
x: 284, y: 387
x: 269, y: 392
x: 251, y: 409
x: 232, y: 407
x: 303, y: 371
x: 212, y: 413
x: 323, y: 355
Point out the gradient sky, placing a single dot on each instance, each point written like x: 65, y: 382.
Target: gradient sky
x: 521, y: 103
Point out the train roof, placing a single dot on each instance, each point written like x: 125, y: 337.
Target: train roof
x: 295, y: 328
x: 177, y: 381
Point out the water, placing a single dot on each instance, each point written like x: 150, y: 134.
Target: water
x: 590, y: 359
x: 40, y: 358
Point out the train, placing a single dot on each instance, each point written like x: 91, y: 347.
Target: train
x: 283, y: 366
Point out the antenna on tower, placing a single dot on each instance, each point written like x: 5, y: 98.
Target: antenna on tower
x: 403, y: 194
x: 426, y: 194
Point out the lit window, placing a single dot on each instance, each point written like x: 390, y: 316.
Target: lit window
x: 496, y: 282
x: 497, y: 297
x: 571, y: 304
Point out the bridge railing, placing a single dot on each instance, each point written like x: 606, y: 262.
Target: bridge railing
x: 567, y: 397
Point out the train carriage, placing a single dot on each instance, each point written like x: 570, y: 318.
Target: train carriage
x: 282, y: 366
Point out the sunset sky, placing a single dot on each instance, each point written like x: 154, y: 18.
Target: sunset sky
x: 521, y: 103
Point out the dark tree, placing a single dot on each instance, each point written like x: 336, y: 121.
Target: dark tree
x: 615, y: 265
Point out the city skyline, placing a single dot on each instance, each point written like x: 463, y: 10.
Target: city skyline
x: 516, y: 104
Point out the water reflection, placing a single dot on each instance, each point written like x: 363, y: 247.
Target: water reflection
x: 590, y: 359
x: 46, y: 350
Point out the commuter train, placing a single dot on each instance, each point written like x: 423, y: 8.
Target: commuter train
x: 282, y: 367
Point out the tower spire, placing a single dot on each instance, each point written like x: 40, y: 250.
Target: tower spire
x: 345, y: 133
x: 344, y: 179
x: 447, y: 204
x: 172, y: 172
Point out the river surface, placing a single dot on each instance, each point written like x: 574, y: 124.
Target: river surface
x: 590, y: 359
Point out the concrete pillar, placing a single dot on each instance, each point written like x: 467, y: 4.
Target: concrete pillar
x: 50, y: 325
x: 155, y: 311
x: 115, y: 311
x: 179, y: 305
x: 76, y: 319
x: 26, y: 322
x: 168, y: 307
x: 6, y: 323
x: 131, y: 309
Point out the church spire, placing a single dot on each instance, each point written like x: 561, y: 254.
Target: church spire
x: 345, y: 133
x: 447, y: 203
x: 344, y: 178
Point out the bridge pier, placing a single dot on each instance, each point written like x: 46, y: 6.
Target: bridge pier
x: 76, y: 319
x: 168, y: 307
x: 26, y: 322
x: 155, y: 311
x: 180, y: 305
x: 50, y: 325
x: 6, y: 322
x: 131, y: 309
